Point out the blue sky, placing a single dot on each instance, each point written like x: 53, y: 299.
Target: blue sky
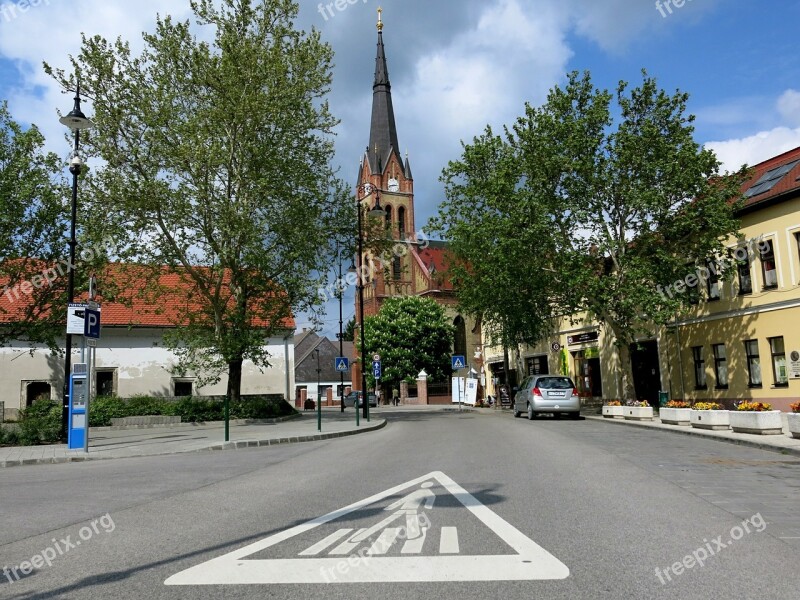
x: 456, y: 66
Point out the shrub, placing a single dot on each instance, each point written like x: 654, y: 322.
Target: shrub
x: 146, y: 405
x: 40, y: 423
x: 8, y: 436
x: 193, y: 410
x: 104, y: 408
x: 753, y: 406
x: 707, y: 406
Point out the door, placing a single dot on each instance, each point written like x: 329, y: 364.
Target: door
x: 646, y: 371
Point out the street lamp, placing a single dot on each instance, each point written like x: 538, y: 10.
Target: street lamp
x: 364, y: 191
x: 319, y: 395
x: 76, y: 121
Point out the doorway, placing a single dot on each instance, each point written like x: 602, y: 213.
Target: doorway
x: 646, y: 371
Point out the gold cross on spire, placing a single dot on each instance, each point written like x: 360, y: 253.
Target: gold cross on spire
x: 380, y: 20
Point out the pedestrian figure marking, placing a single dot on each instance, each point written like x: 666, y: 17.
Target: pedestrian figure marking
x: 409, y: 507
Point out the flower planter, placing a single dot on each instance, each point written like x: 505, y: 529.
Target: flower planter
x: 766, y: 422
x: 794, y: 424
x: 638, y: 413
x: 674, y: 416
x: 613, y: 412
x: 709, y: 419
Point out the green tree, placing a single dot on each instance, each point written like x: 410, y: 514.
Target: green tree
x: 411, y: 334
x: 349, y: 331
x: 218, y: 169
x: 620, y: 206
x: 33, y: 222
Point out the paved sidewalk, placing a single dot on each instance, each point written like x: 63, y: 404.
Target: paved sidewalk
x: 779, y: 443
x: 106, y: 443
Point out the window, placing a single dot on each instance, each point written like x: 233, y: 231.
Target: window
x: 183, y: 387
x: 797, y: 245
x: 401, y: 222
x: 745, y: 279
x: 778, y: 362
x: 537, y: 365
x: 768, y: 269
x: 104, y: 382
x: 753, y: 363
x: 699, y: 368
x: 712, y: 283
x: 721, y: 366
x: 460, y: 336
x: 388, y: 210
x: 397, y: 267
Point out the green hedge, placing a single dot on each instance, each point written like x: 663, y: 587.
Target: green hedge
x: 40, y: 423
x: 190, y: 410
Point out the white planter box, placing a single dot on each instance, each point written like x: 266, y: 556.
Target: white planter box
x: 709, y: 419
x: 638, y: 413
x: 613, y: 412
x: 759, y: 422
x: 794, y: 424
x: 674, y: 416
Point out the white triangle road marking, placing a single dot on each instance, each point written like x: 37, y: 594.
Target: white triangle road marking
x: 530, y: 562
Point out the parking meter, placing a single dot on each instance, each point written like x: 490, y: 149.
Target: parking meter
x: 78, y: 407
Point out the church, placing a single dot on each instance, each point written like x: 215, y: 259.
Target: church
x: 385, y: 178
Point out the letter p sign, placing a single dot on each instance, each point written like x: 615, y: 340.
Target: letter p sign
x: 91, y: 323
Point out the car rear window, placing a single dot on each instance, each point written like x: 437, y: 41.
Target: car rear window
x: 555, y: 383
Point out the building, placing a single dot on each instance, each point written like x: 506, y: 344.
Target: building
x: 315, y: 353
x: 739, y: 340
x: 132, y: 357
x: 415, y: 265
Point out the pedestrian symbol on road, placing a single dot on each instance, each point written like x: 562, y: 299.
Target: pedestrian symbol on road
x: 458, y: 362
x: 414, y: 542
x: 342, y: 364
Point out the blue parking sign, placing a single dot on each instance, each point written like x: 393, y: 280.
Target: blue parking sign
x: 376, y: 369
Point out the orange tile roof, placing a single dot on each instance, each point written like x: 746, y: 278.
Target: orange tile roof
x: 787, y: 185
x: 170, y: 303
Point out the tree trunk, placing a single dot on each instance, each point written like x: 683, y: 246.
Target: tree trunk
x: 235, y: 380
x: 626, y: 367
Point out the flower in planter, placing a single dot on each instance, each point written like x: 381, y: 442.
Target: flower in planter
x: 617, y: 403
x: 707, y: 406
x: 753, y: 406
x: 677, y: 404
x: 795, y: 407
x: 637, y: 403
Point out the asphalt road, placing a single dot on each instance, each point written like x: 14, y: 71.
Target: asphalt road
x: 454, y: 506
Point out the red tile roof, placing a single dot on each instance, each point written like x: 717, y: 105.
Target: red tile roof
x: 788, y: 185
x: 169, y: 303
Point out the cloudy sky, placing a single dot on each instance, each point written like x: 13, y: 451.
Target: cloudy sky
x: 458, y: 65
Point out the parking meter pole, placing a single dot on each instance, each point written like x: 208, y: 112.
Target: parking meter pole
x: 88, y: 398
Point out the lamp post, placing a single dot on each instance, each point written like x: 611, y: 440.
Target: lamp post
x: 339, y: 294
x: 76, y: 121
x: 364, y: 191
x: 319, y: 396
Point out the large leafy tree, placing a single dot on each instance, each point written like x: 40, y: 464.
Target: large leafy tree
x: 411, y: 334
x: 217, y: 169
x: 621, y: 198
x: 33, y: 223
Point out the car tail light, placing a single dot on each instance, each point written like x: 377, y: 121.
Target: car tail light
x: 537, y: 391
x: 574, y: 391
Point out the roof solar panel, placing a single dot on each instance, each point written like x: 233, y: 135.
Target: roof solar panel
x: 769, y: 179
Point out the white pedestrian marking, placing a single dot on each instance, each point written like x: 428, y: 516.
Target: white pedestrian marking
x: 448, y: 542
x: 323, y: 545
x: 528, y: 561
x: 347, y: 546
x: 384, y: 542
x: 414, y: 545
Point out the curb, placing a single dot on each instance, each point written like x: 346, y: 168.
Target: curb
x: 213, y: 448
x: 699, y: 433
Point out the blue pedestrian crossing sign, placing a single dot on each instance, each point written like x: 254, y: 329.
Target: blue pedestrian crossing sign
x: 458, y: 362
x: 342, y: 364
x: 376, y: 369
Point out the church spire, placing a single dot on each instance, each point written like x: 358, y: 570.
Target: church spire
x: 383, y: 131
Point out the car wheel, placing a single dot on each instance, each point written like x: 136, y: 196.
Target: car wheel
x: 531, y: 414
x: 517, y: 413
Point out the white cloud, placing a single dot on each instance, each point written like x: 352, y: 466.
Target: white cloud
x: 756, y: 148
x: 789, y: 107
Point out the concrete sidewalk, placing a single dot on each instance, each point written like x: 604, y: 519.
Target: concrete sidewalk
x: 779, y: 443
x: 106, y: 443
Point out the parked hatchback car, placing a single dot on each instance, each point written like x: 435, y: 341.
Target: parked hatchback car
x: 547, y: 394
x: 350, y: 399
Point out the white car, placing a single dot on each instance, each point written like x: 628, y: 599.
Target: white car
x: 547, y: 394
